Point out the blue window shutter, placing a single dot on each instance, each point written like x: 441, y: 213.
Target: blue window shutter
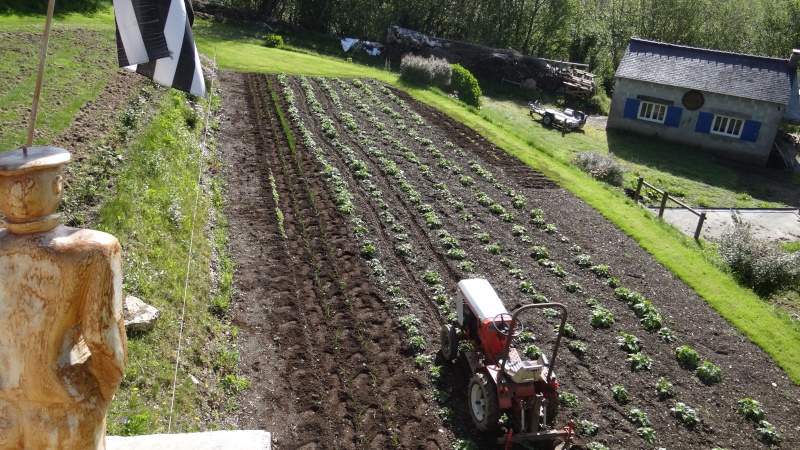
x: 673, y: 118
x: 704, y: 120
x: 750, y: 130
x: 631, y: 108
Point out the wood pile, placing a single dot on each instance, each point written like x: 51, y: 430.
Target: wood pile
x: 493, y: 64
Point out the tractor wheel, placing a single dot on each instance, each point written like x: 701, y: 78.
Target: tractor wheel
x: 449, y: 342
x: 547, y: 120
x: 483, y: 406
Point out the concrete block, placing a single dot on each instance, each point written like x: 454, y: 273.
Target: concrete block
x: 213, y: 440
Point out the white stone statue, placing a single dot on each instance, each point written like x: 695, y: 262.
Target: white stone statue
x: 62, y: 339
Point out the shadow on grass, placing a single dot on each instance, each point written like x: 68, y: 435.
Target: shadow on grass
x: 692, y: 163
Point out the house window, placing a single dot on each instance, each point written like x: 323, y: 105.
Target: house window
x: 653, y: 112
x: 727, y: 126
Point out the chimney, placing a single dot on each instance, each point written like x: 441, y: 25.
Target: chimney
x: 794, y: 59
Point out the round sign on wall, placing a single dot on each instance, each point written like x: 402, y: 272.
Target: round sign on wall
x: 693, y: 100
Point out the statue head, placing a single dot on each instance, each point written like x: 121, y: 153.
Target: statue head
x: 31, y: 187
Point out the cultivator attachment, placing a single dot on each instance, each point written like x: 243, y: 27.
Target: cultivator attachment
x: 565, y: 436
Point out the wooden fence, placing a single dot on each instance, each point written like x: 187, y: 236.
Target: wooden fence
x: 664, y: 197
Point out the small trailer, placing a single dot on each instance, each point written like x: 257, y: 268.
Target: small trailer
x: 567, y: 120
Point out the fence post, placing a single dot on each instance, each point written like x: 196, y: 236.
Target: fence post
x: 638, y: 190
x: 663, y: 204
x: 699, y: 226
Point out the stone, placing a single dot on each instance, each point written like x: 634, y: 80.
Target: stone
x: 139, y: 316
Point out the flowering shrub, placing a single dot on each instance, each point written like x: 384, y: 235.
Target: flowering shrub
x: 759, y: 265
x: 430, y: 71
x: 601, y: 167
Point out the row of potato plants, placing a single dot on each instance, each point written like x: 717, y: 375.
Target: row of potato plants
x: 344, y: 200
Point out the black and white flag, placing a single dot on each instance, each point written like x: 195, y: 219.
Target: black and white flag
x: 154, y: 39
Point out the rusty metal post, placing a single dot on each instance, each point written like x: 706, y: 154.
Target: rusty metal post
x: 699, y: 226
x: 638, y: 190
x: 663, y: 204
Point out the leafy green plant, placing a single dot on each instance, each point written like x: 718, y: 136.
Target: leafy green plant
x: 517, y: 230
x: 750, y: 409
x: 368, y: 250
x: 465, y: 444
x: 613, y: 282
x: 439, y: 396
x: 620, y: 394
x: 687, y: 357
x: 550, y: 313
x: 538, y: 252
x: 587, y: 428
x: 573, y: 286
x: 647, y: 434
x: 537, y: 218
x: 686, y: 415
x: 539, y: 298
x: 456, y: 254
x: 569, y: 330
x: 422, y: 361
x: 638, y: 417
x: 601, y: 270
x: 466, y: 180
x: 577, y: 347
x: 597, y: 446
x: 652, y: 321
x: 550, y: 228
x: 767, y: 432
x: 583, y: 260
x: 506, y: 262
x: 436, y: 373
x: 628, y: 342
x: 569, y: 400
x: 467, y: 266
x: 525, y: 287
x: 496, y: 209
x: 601, y: 317
x: 494, y: 249
x: 532, y: 352
x: 525, y: 337
x: 709, y: 373
x: 404, y: 250
x: 446, y: 413
x: 415, y: 344
x: 431, y: 277
x: 663, y: 388
x: 640, y: 361
x: 666, y: 335
x: 517, y: 273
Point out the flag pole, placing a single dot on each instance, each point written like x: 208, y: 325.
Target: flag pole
x: 38, y: 90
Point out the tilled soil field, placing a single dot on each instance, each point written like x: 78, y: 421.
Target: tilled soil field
x: 354, y: 211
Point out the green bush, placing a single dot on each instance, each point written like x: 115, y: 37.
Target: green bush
x: 762, y: 266
x: 273, y: 40
x: 466, y: 85
x: 429, y: 71
x: 600, y: 102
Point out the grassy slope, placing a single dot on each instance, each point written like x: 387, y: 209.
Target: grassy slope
x: 148, y: 206
x: 764, y: 326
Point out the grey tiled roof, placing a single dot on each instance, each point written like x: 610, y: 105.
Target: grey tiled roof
x: 748, y: 76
